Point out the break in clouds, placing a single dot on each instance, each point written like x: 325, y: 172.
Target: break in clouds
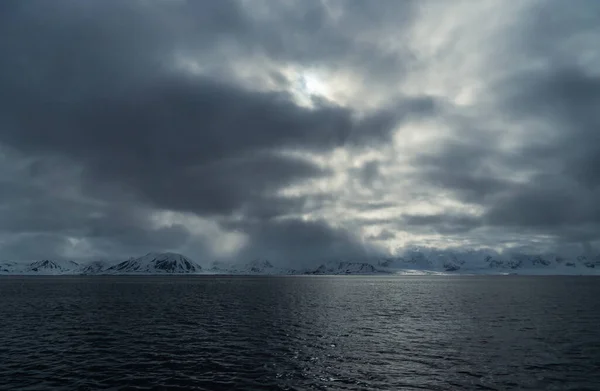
x: 297, y: 130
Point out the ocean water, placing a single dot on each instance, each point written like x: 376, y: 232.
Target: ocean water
x: 300, y: 333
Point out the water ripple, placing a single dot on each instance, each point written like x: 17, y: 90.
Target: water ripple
x: 304, y: 333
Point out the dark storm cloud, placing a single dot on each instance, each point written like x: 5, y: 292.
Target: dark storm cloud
x: 38, y: 216
x: 546, y: 202
x: 98, y: 85
x: 464, y: 167
x: 559, y: 103
x: 562, y: 197
x: 187, y: 145
x: 43, y: 227
x: 566, y: 101
x: 28, y: 247
x: 182, y: 142
x: 103, y: 87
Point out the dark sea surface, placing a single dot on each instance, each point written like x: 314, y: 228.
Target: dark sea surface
x: 300, y: 333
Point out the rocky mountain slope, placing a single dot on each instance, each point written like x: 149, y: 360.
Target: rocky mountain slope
x: 155, y: 263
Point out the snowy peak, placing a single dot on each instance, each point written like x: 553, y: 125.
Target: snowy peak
x: 156, y: 263
x: 486, y: 262
x: 414, y: 262
x: 52, y: 266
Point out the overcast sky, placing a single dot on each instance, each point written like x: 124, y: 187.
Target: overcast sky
x: 297, y: 130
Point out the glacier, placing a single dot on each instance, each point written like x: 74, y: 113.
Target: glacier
x: 411, y: 262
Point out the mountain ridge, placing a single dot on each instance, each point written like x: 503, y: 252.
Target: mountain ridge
x: 411, y: 262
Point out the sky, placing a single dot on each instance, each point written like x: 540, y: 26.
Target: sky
x: 297, y: 130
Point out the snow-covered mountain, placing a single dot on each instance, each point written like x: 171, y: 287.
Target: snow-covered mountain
x: 154, y: 263
x: 95, y: 267
x: 488, y: 262
x: 412, y: 262
x: 43, y: 267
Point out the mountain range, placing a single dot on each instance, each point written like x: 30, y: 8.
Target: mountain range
x: 415, y: 262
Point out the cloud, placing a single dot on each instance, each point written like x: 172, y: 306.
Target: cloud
x: 45, y: 216
x: 466, y: 167
x: 383, y: 235
x: 524, y: 156
x: 295, y: 242
x: 302, y: 129
x: 179, y: 141
x: 443, y: 223
x: 100, y: 86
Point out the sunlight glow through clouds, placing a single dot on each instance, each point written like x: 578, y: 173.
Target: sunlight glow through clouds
x: 409, y: 140
x: 424, y: 121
